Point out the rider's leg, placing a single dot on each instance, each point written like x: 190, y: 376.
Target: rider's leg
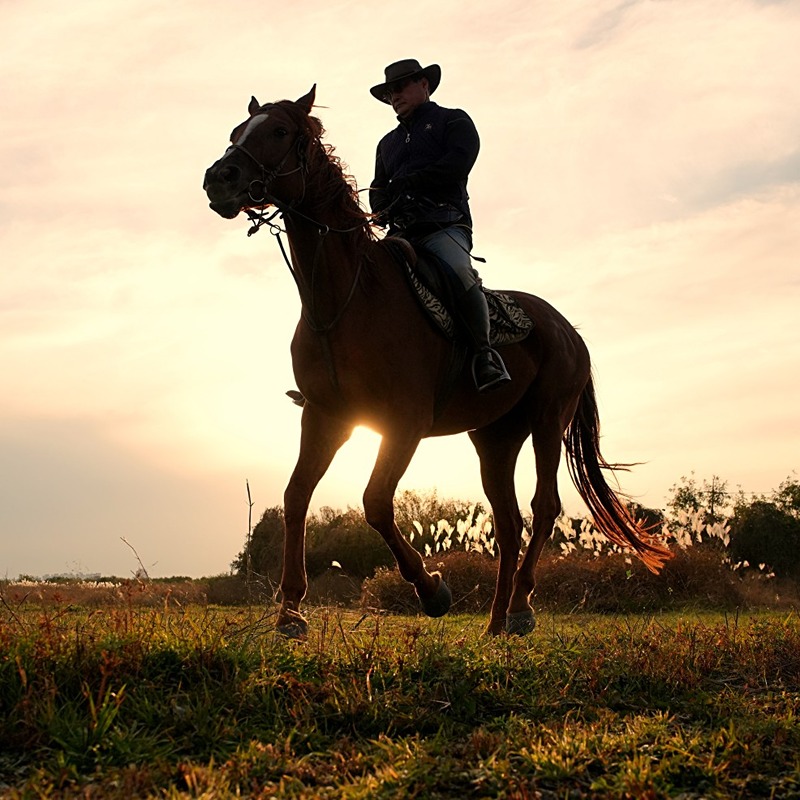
x: 488, y: 368
x: 453, y: 246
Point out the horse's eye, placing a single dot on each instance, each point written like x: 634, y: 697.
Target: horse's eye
x: 281, y: 132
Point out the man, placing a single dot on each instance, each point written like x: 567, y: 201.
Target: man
x: 420, y: 191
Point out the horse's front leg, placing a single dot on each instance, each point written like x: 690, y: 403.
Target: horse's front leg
x: 322, y: 436
x: 394, y: 457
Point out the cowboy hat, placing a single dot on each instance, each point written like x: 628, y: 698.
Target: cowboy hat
x: 402, y: 70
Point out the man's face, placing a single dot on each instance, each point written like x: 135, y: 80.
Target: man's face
x: 407, y: 96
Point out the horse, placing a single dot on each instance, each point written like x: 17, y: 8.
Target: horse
x: 364, y: 353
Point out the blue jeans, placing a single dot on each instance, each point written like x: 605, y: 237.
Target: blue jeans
x: 453, y: 246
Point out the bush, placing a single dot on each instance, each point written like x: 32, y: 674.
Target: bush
x: 470, y: 576
x: 344, y: 537
x: 334, y: 588
x: 763, y: 533
x: 331, y: 535
x: 579, y: 568
x: 226, y: 590
x: 387, y: 591
x: 617, y: 582
x: 611, y: 582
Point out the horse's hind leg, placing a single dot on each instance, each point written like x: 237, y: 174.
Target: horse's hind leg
x: 322, y: 436
x: 498, y: 447
x: 394, y: 457
x: 546, y: 506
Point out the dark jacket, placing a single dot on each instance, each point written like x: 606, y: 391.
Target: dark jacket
x: 421, y: 170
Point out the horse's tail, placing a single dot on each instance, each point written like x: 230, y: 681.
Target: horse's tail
x: 586, y: 465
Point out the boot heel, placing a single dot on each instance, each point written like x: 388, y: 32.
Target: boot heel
x: 488, y: 370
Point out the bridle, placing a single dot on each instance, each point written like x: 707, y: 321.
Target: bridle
x: 269, y: 175
x: 258, y: 193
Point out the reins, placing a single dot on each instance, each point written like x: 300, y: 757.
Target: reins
x: 306, y: 290
x: 308, y: 303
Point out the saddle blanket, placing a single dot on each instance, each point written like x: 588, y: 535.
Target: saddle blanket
x: 509, y: 323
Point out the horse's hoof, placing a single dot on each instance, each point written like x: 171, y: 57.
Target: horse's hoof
x: 521, y: 623
x: 293, y: 627
x: 495, y: 628
x: 439, y: 604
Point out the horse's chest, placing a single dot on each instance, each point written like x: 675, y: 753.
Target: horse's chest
x: 361, y: 367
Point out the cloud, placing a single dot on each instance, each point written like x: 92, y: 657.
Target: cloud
x: 746, y: 178
x: 669, y: 114
x: 602, y: 27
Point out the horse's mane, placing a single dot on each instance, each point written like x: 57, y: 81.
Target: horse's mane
x: 331, y: 188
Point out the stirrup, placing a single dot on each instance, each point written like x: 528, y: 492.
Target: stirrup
x: 494, y: 370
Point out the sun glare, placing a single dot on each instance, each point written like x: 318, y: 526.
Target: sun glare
x: 358, y: 455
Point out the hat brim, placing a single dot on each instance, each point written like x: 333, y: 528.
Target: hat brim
x: 433, y: 73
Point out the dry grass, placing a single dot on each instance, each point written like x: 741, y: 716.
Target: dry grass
x: 221, y: 590
x: 131, y: 701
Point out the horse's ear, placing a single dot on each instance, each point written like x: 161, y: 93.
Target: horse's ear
x: 254, y: 106
x: 306, y: 102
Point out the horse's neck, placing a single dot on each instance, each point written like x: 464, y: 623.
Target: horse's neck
x: 325, y: 263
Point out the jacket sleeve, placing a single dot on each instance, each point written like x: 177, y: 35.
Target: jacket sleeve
x: 461, y: 150
x: 379, y: 195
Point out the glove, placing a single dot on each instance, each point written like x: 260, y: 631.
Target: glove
x: 401, y: 187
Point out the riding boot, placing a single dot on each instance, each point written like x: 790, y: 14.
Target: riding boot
x: 488, y: 369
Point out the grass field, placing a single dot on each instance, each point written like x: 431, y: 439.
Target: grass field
x: 206, y: 702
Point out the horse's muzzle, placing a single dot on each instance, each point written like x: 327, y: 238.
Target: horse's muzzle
x: 222, y: 185
x: 226, y: 210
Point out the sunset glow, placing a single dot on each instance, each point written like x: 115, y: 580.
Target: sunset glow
x: 640, y: 169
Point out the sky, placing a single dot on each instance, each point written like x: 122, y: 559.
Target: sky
x: 639, y: 169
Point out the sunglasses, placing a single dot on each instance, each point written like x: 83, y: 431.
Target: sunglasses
x: 398, y: 86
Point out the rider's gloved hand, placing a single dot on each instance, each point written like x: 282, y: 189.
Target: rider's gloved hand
x: 402, y: 188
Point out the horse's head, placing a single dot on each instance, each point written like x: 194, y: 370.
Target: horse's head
x: 266, y: 158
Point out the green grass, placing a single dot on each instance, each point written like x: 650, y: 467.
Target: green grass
x: 203, y: 702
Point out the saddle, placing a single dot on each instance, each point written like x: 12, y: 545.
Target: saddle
x: 432, y: 286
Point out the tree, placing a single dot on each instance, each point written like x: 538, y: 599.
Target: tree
x: 712, y: 499
x: 266, y: 547
x: 787, y: 497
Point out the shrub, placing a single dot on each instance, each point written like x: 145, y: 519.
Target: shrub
x: 470, y: 576
x: 331, y: 535
x: 344, y: 537
x: 579, y: 567
x: 613, y: 582
x: 226, y: 590
x: 619, y: 582
x: 387, y: 591
x: 334, y: 588
x: 763, y: 533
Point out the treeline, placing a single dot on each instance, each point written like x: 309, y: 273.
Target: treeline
x: 704, y: 522
x: 343, y: 538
